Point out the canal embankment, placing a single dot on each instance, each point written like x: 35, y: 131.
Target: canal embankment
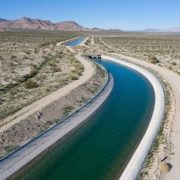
x: 133, y: 167
x: 102, y: 147
x: 25, y: 154
x: 172, y: 129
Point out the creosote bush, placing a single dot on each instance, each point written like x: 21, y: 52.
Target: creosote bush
x: 152, y: 59
x: 13, y: 57
x: 30, y: 84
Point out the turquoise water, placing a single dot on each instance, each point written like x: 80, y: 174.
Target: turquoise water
x: 76, y: 42
x: 100, y: 149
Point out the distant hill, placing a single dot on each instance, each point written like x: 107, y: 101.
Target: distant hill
x: 35, y: 24
x: 114, y: 30
x: 174, y: 29
x: 1, y: 20
x: 151, y: 30
x: 70, y: 25
x: 26, y: 23
x: 1, y: 29
x: 106, y: 30
x: 170, y: 30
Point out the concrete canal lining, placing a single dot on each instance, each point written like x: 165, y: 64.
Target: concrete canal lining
x: 22, y: 156
x: 135, y: 164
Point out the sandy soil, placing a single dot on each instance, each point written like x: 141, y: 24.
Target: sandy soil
x: 38, y: 105
x: 92, y: 41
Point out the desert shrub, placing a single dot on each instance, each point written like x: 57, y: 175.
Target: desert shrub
x: 27, y: 52
x: 13, y: 57
x: 34, y: 66
x: 74, y: 78
x: 25, y: 57
x: 53, y: 64
x: 2, y: 100
x: 174, y: 63
x: 67, y: 110
x: 10, y: 148
x: 36, y: 50
x: 31, y: 84
x: 25, y: 77
x: 88, y: 42
x: 153, y: 59
x: 56, y: 69
x: 45, y: 44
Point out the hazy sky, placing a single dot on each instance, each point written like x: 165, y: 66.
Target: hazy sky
x: 123, y: 14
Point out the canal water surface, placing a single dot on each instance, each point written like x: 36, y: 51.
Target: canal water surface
x: 75, y: 42
x: 100, y: 149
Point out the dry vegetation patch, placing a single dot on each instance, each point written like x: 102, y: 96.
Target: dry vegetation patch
x: 23, y: 131
x: 32, y: 66
x: 161, y: 49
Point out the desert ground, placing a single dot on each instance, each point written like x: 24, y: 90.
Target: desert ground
x: 40, y: 75
x: 33, y: 66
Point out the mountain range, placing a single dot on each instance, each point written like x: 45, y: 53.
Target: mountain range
x: 39, y: 24
x: 35, y: 24
x: 174, y: 29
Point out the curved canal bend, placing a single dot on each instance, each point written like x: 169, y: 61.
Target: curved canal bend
x: 101, y: 148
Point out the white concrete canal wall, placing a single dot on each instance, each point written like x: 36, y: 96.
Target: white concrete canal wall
x: 135, y: 164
